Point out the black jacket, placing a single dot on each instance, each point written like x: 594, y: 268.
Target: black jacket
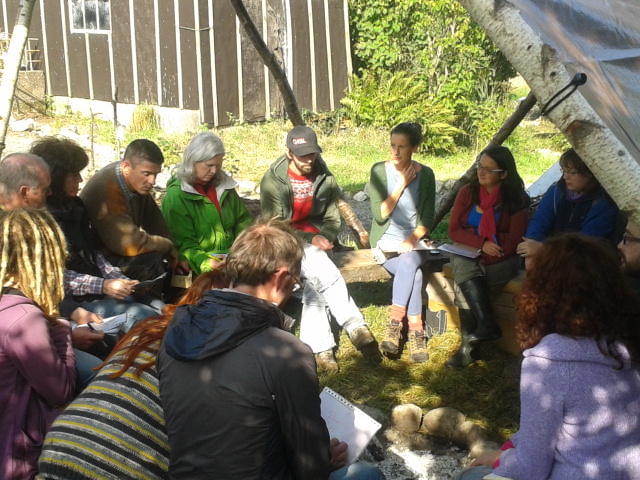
x: 240, y: 394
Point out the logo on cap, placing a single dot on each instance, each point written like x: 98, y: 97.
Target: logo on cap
x: 299, y: 141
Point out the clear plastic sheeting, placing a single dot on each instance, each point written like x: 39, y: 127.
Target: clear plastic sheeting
x: 602, y: 39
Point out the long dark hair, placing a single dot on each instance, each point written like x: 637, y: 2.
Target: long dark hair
x: 575, y: 287
x: 514, y: 198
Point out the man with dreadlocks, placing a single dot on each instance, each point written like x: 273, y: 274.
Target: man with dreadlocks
x: 37, y: 363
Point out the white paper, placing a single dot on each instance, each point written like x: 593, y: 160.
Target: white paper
x: 109, y: 325
x: 149, y: 283
x: 459, y: 249
x: 347, y: 423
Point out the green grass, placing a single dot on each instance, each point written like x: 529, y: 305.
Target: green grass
x: 487, y: 392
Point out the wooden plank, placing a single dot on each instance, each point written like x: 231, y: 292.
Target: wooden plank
x: 359, y: 266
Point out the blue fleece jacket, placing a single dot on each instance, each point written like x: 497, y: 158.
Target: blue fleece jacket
x: 594, y: 214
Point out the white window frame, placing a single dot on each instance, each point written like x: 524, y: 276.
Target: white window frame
x: 97, y: 30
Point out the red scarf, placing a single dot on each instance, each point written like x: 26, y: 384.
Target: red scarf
x: 488, y: 201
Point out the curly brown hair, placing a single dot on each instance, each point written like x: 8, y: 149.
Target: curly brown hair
x: 575, y: 287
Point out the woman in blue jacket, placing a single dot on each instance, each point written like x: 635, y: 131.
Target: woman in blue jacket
x: 576, y: 203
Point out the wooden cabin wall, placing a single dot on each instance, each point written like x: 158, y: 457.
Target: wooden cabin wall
x: 166, y: 53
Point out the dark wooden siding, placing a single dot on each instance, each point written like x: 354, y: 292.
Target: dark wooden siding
x: 100, y: 67
x: 323, y: 75
x: 122, y: 65
x: 55, y: 44
x: 226, y: 65
x: 301, y: 54
x: 189, y: 56
x: 77, y: 61
x: 253, y: 71
x: 206, y: 57
x: 168, y: 56
x: 339, y: 60
x: 145, y: 35
x: 276, y: 31
x: 225, y: 107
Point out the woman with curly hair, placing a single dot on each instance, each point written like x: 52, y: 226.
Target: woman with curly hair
x: 489, y: 214
x: 580, y: 382
x: 115, y: 428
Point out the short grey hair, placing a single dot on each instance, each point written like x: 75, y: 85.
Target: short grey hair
x: 18, y: 170
x: 204, y: 146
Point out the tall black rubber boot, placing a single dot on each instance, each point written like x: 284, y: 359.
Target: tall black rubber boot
x: 476, y: 293
x: 467, y: 353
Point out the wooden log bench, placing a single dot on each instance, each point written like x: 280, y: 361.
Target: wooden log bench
x: 359, y: 265
x: 441, y: 296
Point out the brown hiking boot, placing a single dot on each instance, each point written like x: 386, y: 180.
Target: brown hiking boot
x: 361, y: 337
x: 418, y: 347
x: 326, y: 361
x: 391, y: 342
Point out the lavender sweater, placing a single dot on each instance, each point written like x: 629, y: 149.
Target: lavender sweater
x: 580, y: 417
x: 37, y: 374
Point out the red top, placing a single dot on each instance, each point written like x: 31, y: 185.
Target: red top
x: 302, y: 202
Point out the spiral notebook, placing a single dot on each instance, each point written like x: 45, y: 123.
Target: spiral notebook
x: 347, y: 423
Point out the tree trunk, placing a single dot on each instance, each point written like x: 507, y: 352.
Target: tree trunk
x: 446, y: 204
x: 12, y: 63
x: 269, y: 59
x: 539, y: 65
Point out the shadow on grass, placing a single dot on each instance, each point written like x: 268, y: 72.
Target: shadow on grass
x: 487, y: 392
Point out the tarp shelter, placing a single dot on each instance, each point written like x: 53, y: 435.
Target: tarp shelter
x: 602, y: 39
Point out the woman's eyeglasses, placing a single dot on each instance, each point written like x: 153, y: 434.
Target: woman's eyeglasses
x: 487, y: 169
x: 628, y: 238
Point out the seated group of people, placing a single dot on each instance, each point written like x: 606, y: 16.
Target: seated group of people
x: 223, y: 358
x: 106, y: 241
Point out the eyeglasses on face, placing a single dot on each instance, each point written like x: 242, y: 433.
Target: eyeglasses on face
x: 628, y: 238
x: 480, y: 168
x: 298, y: 283
x: 569, y: 171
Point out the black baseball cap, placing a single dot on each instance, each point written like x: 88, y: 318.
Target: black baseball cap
x: 303, y: 141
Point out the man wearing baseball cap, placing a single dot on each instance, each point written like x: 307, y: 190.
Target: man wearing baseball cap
x: 299, y: 187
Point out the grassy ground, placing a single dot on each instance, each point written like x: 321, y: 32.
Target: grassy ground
x: 486, y: 392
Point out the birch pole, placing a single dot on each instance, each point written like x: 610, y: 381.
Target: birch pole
x: 539, y: 65
x: 12, y: 63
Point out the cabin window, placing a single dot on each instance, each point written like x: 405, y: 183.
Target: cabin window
x: 90, y: 16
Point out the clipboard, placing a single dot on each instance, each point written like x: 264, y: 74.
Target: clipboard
x: 347, y: 423
x: 460, y: 249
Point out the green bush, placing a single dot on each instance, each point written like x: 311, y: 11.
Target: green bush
x: 390, y: 98
x: 449, y: 57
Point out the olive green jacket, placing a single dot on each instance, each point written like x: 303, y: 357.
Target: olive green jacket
x: 276, y: 198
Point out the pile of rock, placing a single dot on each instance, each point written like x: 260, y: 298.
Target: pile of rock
x: 434, y: 445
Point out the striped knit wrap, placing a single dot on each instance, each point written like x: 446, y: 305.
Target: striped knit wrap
x: 113, y: 430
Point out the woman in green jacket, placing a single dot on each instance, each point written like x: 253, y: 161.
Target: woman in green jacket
x: 202, y: 208
x: 402, y: 201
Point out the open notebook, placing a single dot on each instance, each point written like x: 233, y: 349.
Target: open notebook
x: 347, y: 423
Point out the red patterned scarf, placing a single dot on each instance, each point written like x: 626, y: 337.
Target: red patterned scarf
x: 488, y: 201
